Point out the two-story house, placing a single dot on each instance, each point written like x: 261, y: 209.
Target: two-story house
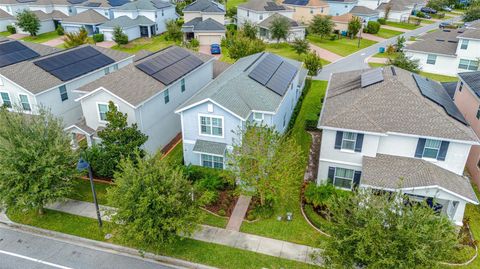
x: 142, y: 18
x: 148, y: 91
x: 262, y: 88
x: 29, y: 80
x: 48, y: 6
x: 340, y: 7
x: 400, y: 10
x: 305, y: 10
x: 448, y: 51
x: 204, y: 21
x: 392, y: 130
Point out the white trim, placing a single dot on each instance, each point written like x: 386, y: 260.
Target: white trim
x: 74, y: 126
x: 188, y: 141
x: 341, y: 162
x: 98, y: 112
x: 263, y: 112
x: 9, y: 98
x: 29, y: 103
x: 208, y: 100
x: 351, y: 130
x: 207, y: 153
x: 426, y: 52
x: 435, y: 138
x: 210, y: 116
x: 109, y: 92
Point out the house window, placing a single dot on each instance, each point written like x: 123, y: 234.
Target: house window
x: 211, y: 126
x: 343, y: 178
x: 166, y: 96
x: 346, y: 6
x: 311, y: 11
x: 258, y: 117
x: 464, y: 44
x: 6, y: 99
x: 349, y: 140
x: 8, y: 9
x: 212, y: 161
x: 106, y: 13
x: 102, y: 111
x: 63, y: 92
x: 432, y: 148
x: 163, y: 13
x: 478, y: 113
x: 321, y: 10
x: 182, y: 84
x: 106, y: 70
x: 284, y: 119
x: 248, y: 13
x: 468, y: 64
x: 261, y: 16
x: 24, y: 102
x: 431, y: 59
x: 461, y: 86
x: 69, y: 9
x: 115, y: 67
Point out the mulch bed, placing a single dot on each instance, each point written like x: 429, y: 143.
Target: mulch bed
x: 226, y: 201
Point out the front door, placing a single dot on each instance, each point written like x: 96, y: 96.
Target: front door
x: 152, y: 30
x: 144, y: 31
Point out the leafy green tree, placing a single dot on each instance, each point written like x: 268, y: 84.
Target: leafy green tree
x: 231, y: 12
x: 75, y: 39
x: 279, y: 28
x: 437, y: 4
x: 300, y: 46
x: 372, y: 27
x: 28, y: 21
x: 153, y: 200
x: 267, y: 163
x: 404, y: 62
x: 377, y: 231
x: 37, y: 161
x: 240, y: 46
x: 313, y: 63
x: 174, y: 31
x: 354, y: 26
x: 472, y: 13
x: 119, y: 36
x: 321, y: 25
x: 400, y: 44
x: 250, y: 30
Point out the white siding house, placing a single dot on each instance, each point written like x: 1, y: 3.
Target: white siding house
x: 204, y: 21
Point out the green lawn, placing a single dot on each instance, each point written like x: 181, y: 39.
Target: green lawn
x: 175, y: 156
x: 41, y: 37
x: 153, y: 44
x: 215, y: 221
x: 188, y: 249
x: 234, y: 3
x: 387, y: 33
x: 342, y: 47
x: 375, y: 65
x: 6, y: 33
x: 439, y: 78
x: 225, y: 57
x: 297, y: 230
x: 83, y: 192
x: 381, y: 55
x: 403, y: 25
x: 286, y: 50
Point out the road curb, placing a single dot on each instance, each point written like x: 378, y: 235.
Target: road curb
x: 107, y: 247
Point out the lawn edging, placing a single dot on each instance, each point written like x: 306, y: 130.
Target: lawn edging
x: 474, y: 256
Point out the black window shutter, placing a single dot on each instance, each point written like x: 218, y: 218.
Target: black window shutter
x: 443, y: 151
x: 356, y: 178
x: 331, y: 175
x: 420, y: 147
x: 338, y: 140
x: 359, y: 143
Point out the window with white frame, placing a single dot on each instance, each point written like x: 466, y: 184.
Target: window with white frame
x: 6, y: 99
x: 258, y: 117
x: 106, y: 70
x: 24, y: 102
x: 63, y: 92
x: 211, y: 126
x: 102, y: 111
x: 212, y: 161
x: 343, y: 178
x: 115, y: 67
x: 432, y: 148
x: 166, y: 96
x: 464, y: 44
x: 182, y: 84
x: 349, y: 140
x: 261, y: 16
x: 431, y: 59
x: 468, y: 65
x: 106, y: 13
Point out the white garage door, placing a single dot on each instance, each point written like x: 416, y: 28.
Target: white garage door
x: 209, y: 39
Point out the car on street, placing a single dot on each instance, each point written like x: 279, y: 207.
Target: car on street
x: 215, y: 49
x: 428, y: 10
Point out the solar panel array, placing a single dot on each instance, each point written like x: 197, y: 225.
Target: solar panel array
x: 274, y: 73
x: 272, y: 6
x: 26, y: 1
x: 15, y: 52
x: 371, y: 77
x: 116, y: 3
x: 74, y: 63
x: 435, y: 92
x: 76, y: 2
x: 92, y: 4
x: 296, y: 2
x: 170, y: 65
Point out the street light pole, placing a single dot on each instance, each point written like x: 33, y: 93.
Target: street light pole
x: 81, y: 166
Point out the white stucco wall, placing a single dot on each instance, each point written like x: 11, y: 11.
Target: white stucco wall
x: 258, y: 16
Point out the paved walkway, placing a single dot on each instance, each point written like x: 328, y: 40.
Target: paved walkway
x: 372, y: 37
x: 238, y: 213
x: 377, y: 60
x: 106, y: 44
x: 250, y: 242
x: 325, y: 54
x: 17, y: 36
x: 54, y: 42
x: 395, y: 28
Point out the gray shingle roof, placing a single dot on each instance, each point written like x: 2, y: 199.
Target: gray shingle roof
x: 361, y: 10
x: 35, y: 80
x: 131, y: 84
x: 438, y: 42
x: 204, y: 6
x: 144, y: 5
x: 5, y: 16
x: 394, y: 105
x: 262, y: 5
x: 472, y: 79
x: 197, y: 25
x: 54, y: 15
x: 394, y: 172
x: 127, y: 22
x: 219, y: 67
x: 236, y: 91
x: 87, y: 17
x: 471, y: 33
x: 266, y: 23
x: 396, y: 6
x: 210, y: 147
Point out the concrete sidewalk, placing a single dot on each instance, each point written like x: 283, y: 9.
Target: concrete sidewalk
x: 325, y: 54
x: 55, y: 42
x: 235, y: 239
x: 395, y: 28
x: 238, y: 213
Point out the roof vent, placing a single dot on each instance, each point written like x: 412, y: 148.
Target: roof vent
x: 453, y: 41
x: 441, y: 40
x: 371, y: 77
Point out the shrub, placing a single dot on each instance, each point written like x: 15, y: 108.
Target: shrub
x: 263, y: 212
x: 211, y: 183
x: 372, y: 27
x: 333, y: 37
x: 174, y: 31
x: 221, y: 212
x: 98, y: 37
x: 231, y: 12
x: 321, y: 195
x: 119, y: 36
x: 74, y: 39
x: 194, y: 43
x: 382, y: 21
x: 311, y: 125
x: 420, y: 14
x: 11, y: 29
x: 197, y: 173
x: 60, y: 30
x: 208, y: 198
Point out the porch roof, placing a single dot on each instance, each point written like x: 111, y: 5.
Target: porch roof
x: 127, y: 22
x: 210, y: 147
x: 395, y: 172
x: 82, y: 126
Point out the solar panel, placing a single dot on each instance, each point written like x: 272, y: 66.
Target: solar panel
x: 436, y: 93
x: 15, y: 52
x: 274, y: 73
x: 170, y: 65
x: 92, y: 4
x: 371, y: 77
x: 26, y: 1
x: 265, y: 69
x: 75, y: 2
x: 74, y: 63
x: 296, y: 2
x: 116, y: 3
x: 281, y: 79
x: 271, y: 6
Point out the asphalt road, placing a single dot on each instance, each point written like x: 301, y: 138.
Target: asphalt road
x: 20, y: 250
x: 356, y: 60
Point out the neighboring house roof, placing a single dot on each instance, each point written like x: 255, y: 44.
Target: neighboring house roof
x: 341, y: 1
x: 210, y: 147
x: 395, y: 172
x: 102, y: 3
x: 395, y: 6
x: 219, y: 67
x: 144, y: 5
x: 438, y: 42
x: 264, y: 5
x: 362, y: 10
x: 15, y: 51
x: 394, y: 104
x: 54, y: 15
x: 132, y: 84
x: 35, y: 80
x: 87, y: 17
x: 266, y: 23
x: 308, y: 3
x: 472, y: 79
x: 199, y: 25
x: 127, y: 22
x: 344, y: 18
x: 207, y: 6
x: 450, y: 88
x: 141, y: 54
x: 471, y: 33
x: 5, y: 16
x: 236, y: 91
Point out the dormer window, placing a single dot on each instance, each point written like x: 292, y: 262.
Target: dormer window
x: 464, y: 44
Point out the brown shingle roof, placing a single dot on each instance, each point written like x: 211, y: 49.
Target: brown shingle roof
x: 87, y: 17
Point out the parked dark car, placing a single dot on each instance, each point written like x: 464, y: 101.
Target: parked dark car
x: 428, y: 10
x: 215, y: 49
